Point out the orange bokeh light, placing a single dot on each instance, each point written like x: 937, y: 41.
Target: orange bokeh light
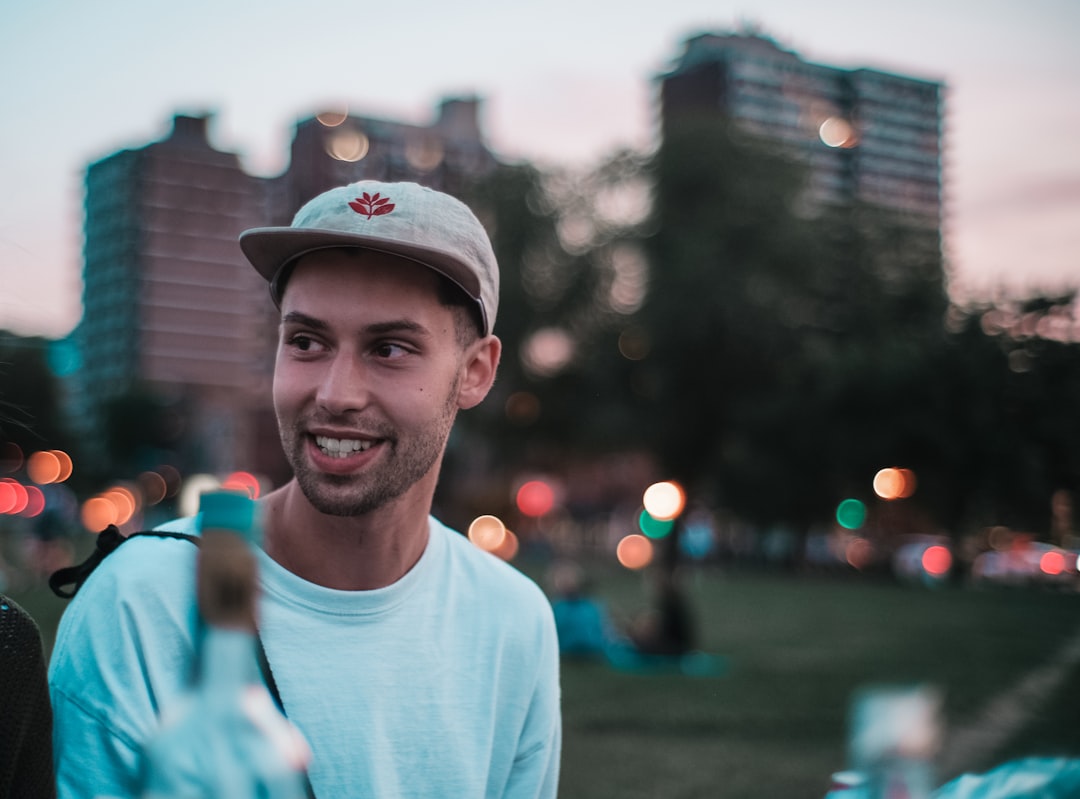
x: 98, y: 513
x: 43, y: 467
x: 508, y: 549
x: 634, y: 551
x: 66, y: 465
x: 124, y: 501
x: 894, y: 483
x: 487, y: 532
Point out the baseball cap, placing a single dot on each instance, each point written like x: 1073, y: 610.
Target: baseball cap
x: 404, y: 219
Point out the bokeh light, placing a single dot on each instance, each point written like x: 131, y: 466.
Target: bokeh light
x: 547, y: 351
x: 242, y: 481
x: 124, y: 500
x: 535, y: 498
x: 97, y: 513
x: 837, y: 132
x: 13, y: 497
x: 35, y: 502
x: 508, y: 549
x: 347, y: 145
x: 43, y: 467
x: 858, y: 552
x: 192, y: 490
x: 634, y: 551
x: 664, y: 501
x: 487, y: 532
x: 152, y: 487
x: 653, y: 527
x: 937, y: 560
x: 893, y: 483
x: 66, y: 465
x: 851, y: 514
x: 11, y: 457
x: 1052, y: 563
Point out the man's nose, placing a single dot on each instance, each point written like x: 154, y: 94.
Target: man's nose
x: 344, y: 386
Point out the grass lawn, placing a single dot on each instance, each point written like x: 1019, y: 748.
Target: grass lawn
x: 774, y: 722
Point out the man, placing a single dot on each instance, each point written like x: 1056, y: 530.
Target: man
x: 415, y: 664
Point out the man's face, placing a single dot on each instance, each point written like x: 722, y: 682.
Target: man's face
x: 367, y: 379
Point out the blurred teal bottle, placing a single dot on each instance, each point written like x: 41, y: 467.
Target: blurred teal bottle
x: 227, y: 738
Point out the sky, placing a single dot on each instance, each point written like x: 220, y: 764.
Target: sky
x: 563, y: 83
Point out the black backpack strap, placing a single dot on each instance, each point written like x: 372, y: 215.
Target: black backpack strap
x: 108, y: 540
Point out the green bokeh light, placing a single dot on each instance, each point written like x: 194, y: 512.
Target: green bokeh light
x: 851, y: 514
x: 654, y: 528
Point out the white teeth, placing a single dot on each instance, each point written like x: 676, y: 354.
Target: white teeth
x: 341, y: 447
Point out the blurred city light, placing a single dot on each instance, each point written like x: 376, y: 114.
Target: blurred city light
x: 634, y: 343
x: 11, y: 457
x: 838, y: 132
x: 851, y: 514
x: 66, y: 465
x: 43, y: 467
x: 664, y: 501
x: 634, y: 551
x: 522, y: 408
x: 35, y: 502
x: 547, y: 351
x: 508, y: 549
x: 124, y: 501
x: 97, y: 513
x: 535, y: 498
x: 858, y: 552
x: 1052, y: 563
x: 653, y: 527
x: 347, y: 145
x: 193, y: 488
x: 13, y: 496
x: 152, y: 487
x: 937, y: 560
x: 242, y: 481
x: 487, y: 532
x: 893, y: 483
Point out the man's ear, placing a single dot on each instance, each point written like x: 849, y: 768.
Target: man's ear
x: 479, y: 364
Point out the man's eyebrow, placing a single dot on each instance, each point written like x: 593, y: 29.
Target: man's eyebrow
x: 375, y: 328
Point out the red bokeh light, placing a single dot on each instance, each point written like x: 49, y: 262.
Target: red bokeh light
x: 535, y: 498
x: 937, y: 560
x: 1052, y: 563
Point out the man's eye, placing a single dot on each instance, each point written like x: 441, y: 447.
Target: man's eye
x: 302, y: 342
x: 390, y: 350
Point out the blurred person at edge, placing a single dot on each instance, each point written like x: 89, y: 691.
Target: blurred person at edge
x: 414, y: 663
x: 26, y: 753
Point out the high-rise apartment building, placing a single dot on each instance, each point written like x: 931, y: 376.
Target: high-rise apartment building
x: 867, y: 135
x: 170, y: 304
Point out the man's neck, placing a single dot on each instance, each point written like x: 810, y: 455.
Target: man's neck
x: 350, y: 553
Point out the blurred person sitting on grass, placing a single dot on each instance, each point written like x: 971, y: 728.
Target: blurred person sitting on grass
x: 414, y: 663
x: 26, y: 753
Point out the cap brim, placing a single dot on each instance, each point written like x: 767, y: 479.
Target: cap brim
x: 271, y: 248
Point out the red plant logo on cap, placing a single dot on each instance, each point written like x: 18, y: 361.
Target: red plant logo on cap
x: 372, y: 205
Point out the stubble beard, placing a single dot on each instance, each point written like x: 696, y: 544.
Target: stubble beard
x: 406, y: 463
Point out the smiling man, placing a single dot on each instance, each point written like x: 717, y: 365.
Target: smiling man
x: 415, y: 664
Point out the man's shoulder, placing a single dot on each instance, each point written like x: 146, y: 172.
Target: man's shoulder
x: 490, y: 574
x: 146, y: 564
